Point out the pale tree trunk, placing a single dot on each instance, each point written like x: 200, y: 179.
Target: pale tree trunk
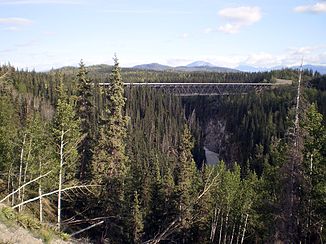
x: 60, y: 178
x: 9, y: 181
x: 309, y: 200
x: 226, y: 226
x: 40, y: 193
x: 15, y: 191
x: 26, y: 167
x: 232, y: 235
x: 244, y: 229
x: 239, y: 230
x: 21, y: 169
x: 221, y: 229
x: 214, y: 224
x: 54, y: 192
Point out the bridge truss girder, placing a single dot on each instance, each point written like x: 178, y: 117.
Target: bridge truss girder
x: 204, y: 89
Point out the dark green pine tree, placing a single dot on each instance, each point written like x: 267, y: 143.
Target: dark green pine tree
x: 109, y: 163
x: 185, y: 173
x: 137, y: 220
x: 84, y: 111
x: 110, y: 160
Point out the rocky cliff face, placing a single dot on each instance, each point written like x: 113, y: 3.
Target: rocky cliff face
x: 219, y: 141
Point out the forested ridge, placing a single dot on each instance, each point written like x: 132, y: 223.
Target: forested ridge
x: 119, y: 165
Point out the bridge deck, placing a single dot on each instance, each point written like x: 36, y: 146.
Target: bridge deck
x: 203, y: 89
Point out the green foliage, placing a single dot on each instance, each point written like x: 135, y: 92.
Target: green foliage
x: 314, y: 189
x: 8, y: 132
x: 110, y: 164
x: 111, y: 160
x: 66, y: 129
x: 185, y: 176
x: 10, y: 217
x: 144, y: 156
x: 137, y: 223
x: 85, y: 113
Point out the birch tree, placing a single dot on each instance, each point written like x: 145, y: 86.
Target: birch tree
x: 314, y: 190
x: 66, y: 135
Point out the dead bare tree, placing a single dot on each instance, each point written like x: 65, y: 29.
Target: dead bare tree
x: 287, y: 227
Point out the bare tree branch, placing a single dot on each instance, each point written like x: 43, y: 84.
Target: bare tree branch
x: 37, y: 178
x: 53, y: 192
x: 87, y: 228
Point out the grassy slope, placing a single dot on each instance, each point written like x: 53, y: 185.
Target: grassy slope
x: 23, y: 228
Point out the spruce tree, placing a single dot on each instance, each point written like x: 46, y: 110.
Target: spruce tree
x: 185, y: 173
x: 137, y: 220
x: 85, y: 113
x: 110, y: 161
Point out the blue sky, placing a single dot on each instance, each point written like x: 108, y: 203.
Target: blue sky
x: 42, y: 34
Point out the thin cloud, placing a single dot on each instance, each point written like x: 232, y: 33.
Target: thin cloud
x: 208, y: 30
x: 49, y: 33
x: 15, y: 21
x: 8, y: 50
x: 27, y: 44
x: 29, y: 2
x: 12, y: 28
x: 149, y: 11
x: 238, y: 18
x: 316, y: 8
x: 184, y: 35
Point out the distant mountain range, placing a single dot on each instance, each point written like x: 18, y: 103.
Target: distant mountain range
x: 153, y: 66
x: 195, y: 66
x: 247, y: 68
x: 320, y: 69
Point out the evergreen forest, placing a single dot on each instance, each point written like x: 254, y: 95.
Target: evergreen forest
x: 127, y: 165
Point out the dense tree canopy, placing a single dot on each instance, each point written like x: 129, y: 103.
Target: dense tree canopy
x: 140, y: 154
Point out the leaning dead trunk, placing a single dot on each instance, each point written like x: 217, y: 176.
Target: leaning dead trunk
x: 54, y: 192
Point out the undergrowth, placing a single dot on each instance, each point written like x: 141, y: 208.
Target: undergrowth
x: 10, y: 217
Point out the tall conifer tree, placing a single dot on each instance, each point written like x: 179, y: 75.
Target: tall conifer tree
x: 110, y: 161
x: 185, y: 173
x: 84, y: 110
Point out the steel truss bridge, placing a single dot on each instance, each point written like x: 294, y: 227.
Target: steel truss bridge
x: 203, y: 89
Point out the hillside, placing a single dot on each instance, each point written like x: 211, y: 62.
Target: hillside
x: 197, y: 66
x: 24, y: 229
